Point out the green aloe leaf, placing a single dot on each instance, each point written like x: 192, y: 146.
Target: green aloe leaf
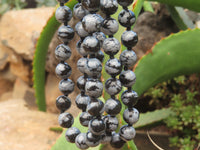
x: 178, y: 54
x: 190, y: 4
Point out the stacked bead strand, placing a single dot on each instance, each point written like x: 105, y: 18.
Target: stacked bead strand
x: 127, y: 77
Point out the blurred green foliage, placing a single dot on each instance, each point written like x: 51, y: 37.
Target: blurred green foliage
x: 46, y: 3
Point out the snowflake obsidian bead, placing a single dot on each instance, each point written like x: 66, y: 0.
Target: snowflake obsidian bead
x: 81, y: 83
x: 131, y: 116
x: 116, y: 141
x: 109, y: 26
x: 80, y: 141
x: 80, y: 30
x: 108, y: 7
x: 79, y: 12
x: 63, y: 103
x: 66, y: 86
x: 92, y: 23
x: 82, y: 64
x: 82, y: 101
x: 100, y: 36
x: 85, y: 118
x: 113, y: 106
x: 91, y: 5
x: 63, y: 14
x: 94, y: 88
x: 94, y: 67
x: 92, y: 140
x: 129, y: 39
x: 113, y: 67
x: 71, y: 134
x: 62, y: 52
x: 63, y: 70
x: 126, y: 18
x: 113, y: 86
x: 95, y: 107
x: 111, y: 123
x: 97, y: 126
x: 91, y: 44
x: 65, y: 33
x: 65, y: 120
x: 80, y: 49
x: 125, y: 3
x: 129, y: 98
x: 127, y: 78
x: 100, y: 56
x: 111, y: 46
x: 127, y: 133
x: 128, y: 58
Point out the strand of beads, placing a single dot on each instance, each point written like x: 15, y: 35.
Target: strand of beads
x: 127, y: 77
x: 113, y: 67
x: 63, y: 70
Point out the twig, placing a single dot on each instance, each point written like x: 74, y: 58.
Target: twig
x: 153, y: 142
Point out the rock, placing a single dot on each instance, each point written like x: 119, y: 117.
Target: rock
x: 6, y: 96
x: 3, y: 57
x: 19, y: 30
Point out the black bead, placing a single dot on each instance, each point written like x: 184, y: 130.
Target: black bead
x: 63, y: 70
x: 91, y: 5
x: 85, y: 118
x: 63, y: 14
x: 113, y: 107
x: 82, y: 101
x: 80, y: 141
x: 125, y: 3
x: 100, y: 56
x: 126, y: 18
x: 92, y: 140
x: 116, y: 141
x: 81, y: 83
x: 62, y: 52
x: 109, y: 26
x: 66, y: 86
x: 113, y: 67
x: 127, y: 78
x: 111, y: 46
x: 80, y: 30
x: 106, y: 138
x: 129, y: 38
x: 82, y: 64
x: 79, y: 12
x: 128, y: 58
x: 100, y: 36
x: 97, y: 126
x: 65, y: 120
x: 63, y: 103
x: 111, y: 123
x: 80, y: 49
x: 65, y: 33
x: 129, y: 98
x: 113, y: 86
x: 71, y: 134
x: 131, y: 116
x: 95, y: 107
x: 108, y: 7
x: 91, y: 44
x: 127, y: 133
x: 94, y: 88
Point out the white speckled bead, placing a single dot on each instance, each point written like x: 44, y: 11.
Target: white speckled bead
x: 79, y: 12
x: 82, y: 64
x: 80, y: 30
x: 94, y: 67
x: 131, y: 116
x: 127, y: 133
x: 113, y: 86
x: 62, y: 52
x: 80, y: 141
x: 113, y: 67
x: 94, y: 88
x: 63, y: 70
x: 108, y: 7
x: 126, y: 18
x: 66, y: 86
x: 129, y: 39
x: 111, y: 46
x: 80, y: 49
x: 71, y: 134
x: 63, y: 14
x: 65, y: 120
x: 91, y: 44
x: 127, y: 78
x: 65, y: 33
x: 109, y: 26
x: 128, y: 58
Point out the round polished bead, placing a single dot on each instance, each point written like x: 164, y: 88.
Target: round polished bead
x: 63, y: 103
x: 91, y: 44
x: 79, y: 12
x: 116, y: 141
x: 81, y: 83
x: 113, y: 67
x: 129, y: 38
x: 129, y: 98
x: 94, y: 88
x: 66, y: 86
x: 113, y: 107
x: 108, y: 7
x: 126, y: 18
x: 65, y: 33
x: 111, y: 46
x: 62, y: 52
x: 100, y: 56
x: 106, y: 138
x: 100, y: 36
x: 113, y: 86
x: 94, y: 67
x: 71, y: 134
x: 85, y: 118
x: 97, y: 126
x: 95, y: 107
x: 111, y: 123
x: 91, y: 5
x: 65, y: 120
x: 92, y: 140
x: 63, y: 1
x: 109, y: 26
x: 131, y: 116
x: 63, y: 14
x: 92, y: 23
x: 80, y: 49
x: 127, y: 133
x: 82, y: 101
x: 80, y: 141
x: 128, y: 58
x: 80, y: 30
x: 127, y: 78
x: 63, y: 70
x: 125, y: 3
x: 82, y: 64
